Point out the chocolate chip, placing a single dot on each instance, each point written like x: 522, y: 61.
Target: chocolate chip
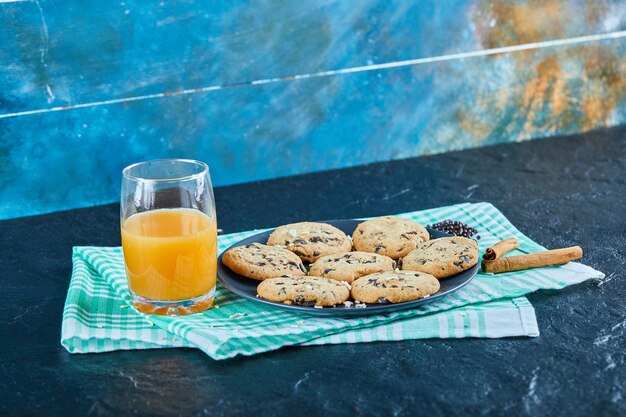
x: 382, y: 300
x: 301, y: 300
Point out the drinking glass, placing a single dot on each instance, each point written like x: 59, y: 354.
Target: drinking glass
x: 169, y: 236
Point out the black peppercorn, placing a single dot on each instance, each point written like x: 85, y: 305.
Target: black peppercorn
x: 455, y: 228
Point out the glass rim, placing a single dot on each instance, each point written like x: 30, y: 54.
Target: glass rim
x: 205, y: 170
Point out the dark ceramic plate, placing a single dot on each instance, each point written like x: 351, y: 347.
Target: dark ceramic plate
x: 246, y: 287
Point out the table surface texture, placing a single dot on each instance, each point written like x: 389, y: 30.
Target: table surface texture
x: 561, y: 191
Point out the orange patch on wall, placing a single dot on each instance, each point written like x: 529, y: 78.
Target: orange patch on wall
x: 560, y: 89
x: 544, y: 93
x: 502, y: 23
x: 604, y: 85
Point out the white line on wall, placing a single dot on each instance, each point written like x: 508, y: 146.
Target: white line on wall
x: 351, y: 70
x: 46, y: 37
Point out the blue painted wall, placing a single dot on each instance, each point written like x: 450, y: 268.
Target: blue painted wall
x: 89, y: 87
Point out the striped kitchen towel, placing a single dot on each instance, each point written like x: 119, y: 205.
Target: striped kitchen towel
x: 98, y: 316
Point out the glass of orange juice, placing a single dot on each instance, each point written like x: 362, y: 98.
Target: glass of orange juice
x: 169, y: 236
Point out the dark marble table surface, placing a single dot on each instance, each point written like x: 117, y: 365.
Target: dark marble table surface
x: 559, y: 191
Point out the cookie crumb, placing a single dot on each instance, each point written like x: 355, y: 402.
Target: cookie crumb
x: 361, y: 305
x: 319, y: 307
x: 348, y: 304
x: 124, y: 306
x: 234, y: 316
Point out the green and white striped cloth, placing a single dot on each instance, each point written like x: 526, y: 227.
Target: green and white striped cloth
x: 98, y: 315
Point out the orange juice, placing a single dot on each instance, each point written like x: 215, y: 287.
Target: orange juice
x: 170, y: 254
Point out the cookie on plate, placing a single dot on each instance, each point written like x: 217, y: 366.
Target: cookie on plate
x: 306, y: 291
x: 310, y: 241
x: 443, y: 257
x: 390, y: 236
x: 394, y: 287
x: 350, y: 266
x: 258, y: 261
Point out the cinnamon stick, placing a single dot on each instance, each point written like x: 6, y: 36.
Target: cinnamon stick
x: 533, y: 260
x: 500, y: 248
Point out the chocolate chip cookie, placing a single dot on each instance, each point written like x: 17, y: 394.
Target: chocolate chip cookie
x: 394, y: 287
x: 443, y: 257
x: 258, y: 261
x: 350, y: 266
x: 310, y: 241
x: 390, y: 236
x: 306, y: 291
